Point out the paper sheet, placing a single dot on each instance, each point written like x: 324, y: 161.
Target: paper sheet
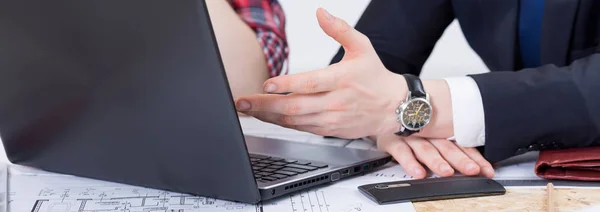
x: 3, y: 187
x: 517, y: 168
x: 38, y: 191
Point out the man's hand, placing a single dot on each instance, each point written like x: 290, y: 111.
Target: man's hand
x: 441, y: 156
x: 354, y: 98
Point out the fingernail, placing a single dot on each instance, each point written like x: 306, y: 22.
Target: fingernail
x: 328, y: 16
x: 270, y: 88
x: 243, y: 105
x: 471, y: 166
x: 488, y: 171
x: 445, y: 168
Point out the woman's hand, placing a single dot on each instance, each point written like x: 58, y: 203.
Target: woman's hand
x: 441, y: 156
x: 354, y: 98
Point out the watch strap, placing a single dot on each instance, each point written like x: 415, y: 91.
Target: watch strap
x: 405, y: 133
x: 415, y: 86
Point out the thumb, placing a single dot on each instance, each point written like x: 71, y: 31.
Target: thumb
x: 338, y: 29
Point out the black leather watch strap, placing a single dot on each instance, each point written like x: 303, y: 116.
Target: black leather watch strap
x: 405, y: 133
x: 415, y: 86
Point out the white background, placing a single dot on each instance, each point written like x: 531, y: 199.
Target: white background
x: 312, y: 49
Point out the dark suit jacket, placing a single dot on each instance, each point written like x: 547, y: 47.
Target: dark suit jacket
x: 553, y: 106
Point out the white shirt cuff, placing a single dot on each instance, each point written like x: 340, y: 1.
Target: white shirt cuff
x: 467, y: 112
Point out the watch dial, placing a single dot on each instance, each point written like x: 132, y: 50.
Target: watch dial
x: 416, y: 114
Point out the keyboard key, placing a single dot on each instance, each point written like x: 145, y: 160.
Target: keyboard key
x: 263, y: 173
x: 256, y: 176
x: 268, y: 170
x: 302, y: 162
x: 289, y: 161
x: 278, y: 163
x: 275, y: 167
x: 267, y: 161
x: 276, y: 159
x: 288, y: 173
x: 278, y: 176
x: 261, y: 164
x: 256, y: 168
x: 299, y: 171
x: 267, y: 178
x: 259, y: 156
x: 318, y: 165
x: 298, y: 166
x: 255, y: 159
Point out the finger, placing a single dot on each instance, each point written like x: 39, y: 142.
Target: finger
x: 403, y: 154
x: 486, y: 168
x: 456, y: 157
x: 428, y: 154
x: 291, y: 105
x: 304, y: 83
x: 338, y: 29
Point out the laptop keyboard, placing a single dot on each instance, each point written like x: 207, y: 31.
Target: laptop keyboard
x: 267, y: 169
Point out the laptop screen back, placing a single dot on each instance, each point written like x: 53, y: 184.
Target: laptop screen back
x: 131, y: 91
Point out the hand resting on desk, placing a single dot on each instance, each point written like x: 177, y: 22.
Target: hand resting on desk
x: 441, y: 156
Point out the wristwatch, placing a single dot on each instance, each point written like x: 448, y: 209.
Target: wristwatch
x: 415, y: 112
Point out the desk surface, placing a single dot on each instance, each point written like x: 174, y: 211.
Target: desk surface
x: 534, y: 199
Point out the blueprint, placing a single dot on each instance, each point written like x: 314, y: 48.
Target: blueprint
x: 72, y: 194
x: 39, y: 191
x: 3, y: 186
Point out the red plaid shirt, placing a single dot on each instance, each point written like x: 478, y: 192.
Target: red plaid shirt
x: 267, y: 19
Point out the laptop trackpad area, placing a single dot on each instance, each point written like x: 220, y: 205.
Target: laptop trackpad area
x: 311, y: 152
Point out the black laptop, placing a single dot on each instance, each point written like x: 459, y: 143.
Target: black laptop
x: 134, y: 91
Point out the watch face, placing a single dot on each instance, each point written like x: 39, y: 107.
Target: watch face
x: 416, y: 113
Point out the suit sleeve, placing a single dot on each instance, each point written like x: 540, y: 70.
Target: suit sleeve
x: 403, y: 32
x: 544, y: 108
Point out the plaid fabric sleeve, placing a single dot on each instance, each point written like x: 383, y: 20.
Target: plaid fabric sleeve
x: 267, y: 19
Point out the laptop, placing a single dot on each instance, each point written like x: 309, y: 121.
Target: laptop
x: 134, y: 91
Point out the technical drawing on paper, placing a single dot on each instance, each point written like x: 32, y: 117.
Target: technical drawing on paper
x: 73, y: 194
x: 126, y: 199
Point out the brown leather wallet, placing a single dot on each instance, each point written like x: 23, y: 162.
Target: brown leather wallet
x: 581, y: 164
